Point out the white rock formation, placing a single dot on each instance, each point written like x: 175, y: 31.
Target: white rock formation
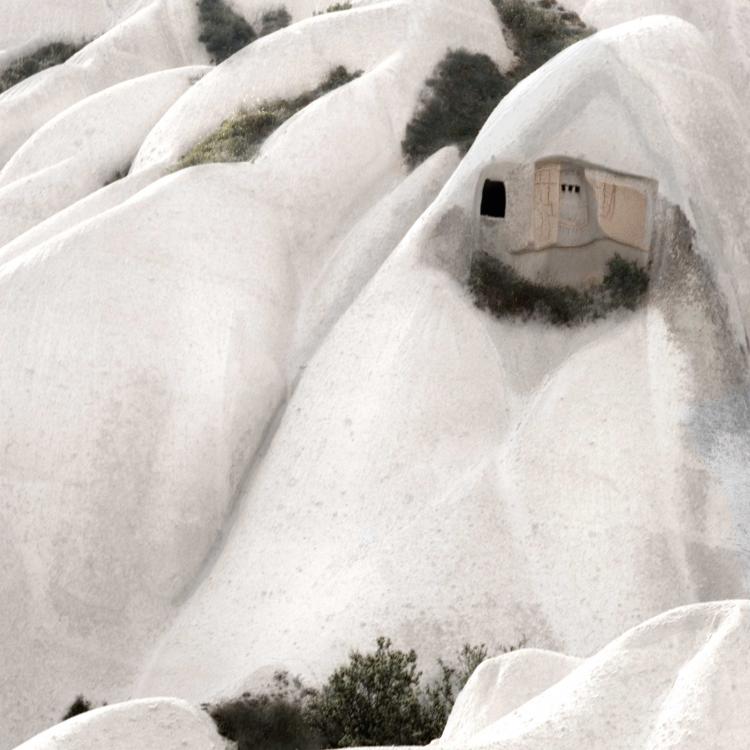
x: 146, y: 724
x: 500, y: 685
x: 676, y: 681
x: 437, y: 471
x: 210, y: 267
x: 84, y: 148
x: 251, y: 417
x: 26, y: 26
x: 723, y: 24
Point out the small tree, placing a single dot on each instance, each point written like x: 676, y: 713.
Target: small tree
x: 373, y: 700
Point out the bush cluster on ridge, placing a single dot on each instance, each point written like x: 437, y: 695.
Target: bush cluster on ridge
x: 45, y: 57
x: 376, y: 698
x: 466, y: 87
x: 223, y: 31
x: 240, y: 137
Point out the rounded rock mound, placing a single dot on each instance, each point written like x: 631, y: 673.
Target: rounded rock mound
x: 147, y: 724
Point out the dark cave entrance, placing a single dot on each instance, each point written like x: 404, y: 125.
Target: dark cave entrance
x: 493, y: 199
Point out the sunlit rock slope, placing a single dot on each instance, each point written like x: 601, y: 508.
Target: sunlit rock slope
x: 251, y: 416
x: 675, y: 681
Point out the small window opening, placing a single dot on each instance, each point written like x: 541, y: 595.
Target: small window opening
x: 493, y: 199
x: 578, y: 188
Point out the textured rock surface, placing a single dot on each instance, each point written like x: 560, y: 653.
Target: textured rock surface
x: 442, y: 476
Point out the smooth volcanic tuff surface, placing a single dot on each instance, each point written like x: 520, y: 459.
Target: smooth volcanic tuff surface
x: 84, y: 148
x: 146, y: 724
x: 177, y: 342
x: 442, y: 476
x: 251, y: 416
x: 676, y: 681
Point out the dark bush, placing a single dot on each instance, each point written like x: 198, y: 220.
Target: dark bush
x: 539, y: 32
x: 465, y: 88
x: 374, y: 700
x: 271, y: 721
x: 273, y: 20
x: 625, y: 283
x: 45, y: 57
x: 333, y: 8
x: 454, y: 105
x: 378, y: 698
x: 498, y: 289
x: 239, y: 137
x: 79, y: 706
x: 222, y: 31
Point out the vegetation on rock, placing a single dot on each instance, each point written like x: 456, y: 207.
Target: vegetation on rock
x: 273, y: 20
x: 333, y: 8
x: 456, y: 101
x: 239, y: 137
x: 41, y: 59
x: 538, y: 31
x: 269, y: 721
x: 222, y: 31
x: 497, y: 288
x: 376, y: 698
x: 465, y: 88
x: 79, y: 706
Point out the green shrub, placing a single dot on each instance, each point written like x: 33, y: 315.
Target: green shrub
x: 456, y: 101
x: 271, y: 721
x: 273, y: 20
x: 539, y: 32
x: 222, y: 31
x: 79, y: 706
x: 497, y: 288
x: 240, y: 137
x: 378, y: 698
x: 373, y: 700
x: 41, y: 59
